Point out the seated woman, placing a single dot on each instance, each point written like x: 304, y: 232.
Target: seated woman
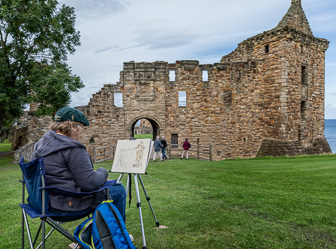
x: 69, y: 166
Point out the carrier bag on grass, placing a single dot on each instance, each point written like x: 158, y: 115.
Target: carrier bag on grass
x: 106, y: 229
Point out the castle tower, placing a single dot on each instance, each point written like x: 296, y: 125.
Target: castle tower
x: 290, y: 82
x: 303, y: 74
x: 266, y: 98
x: 299, y: 82
x: 295, y: 18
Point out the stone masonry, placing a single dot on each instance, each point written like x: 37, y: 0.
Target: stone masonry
x: 266, y: 98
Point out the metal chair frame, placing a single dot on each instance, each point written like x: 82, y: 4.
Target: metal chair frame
x: 45, y: 216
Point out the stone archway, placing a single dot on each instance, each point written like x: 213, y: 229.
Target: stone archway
x: 156, y: 127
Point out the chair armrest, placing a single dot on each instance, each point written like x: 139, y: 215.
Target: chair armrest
x: 68, y: 193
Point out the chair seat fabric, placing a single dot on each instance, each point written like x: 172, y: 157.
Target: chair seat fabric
x: 64, y: 217
x: 33, y: 173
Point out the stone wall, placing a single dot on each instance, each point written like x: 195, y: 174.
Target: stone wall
x: 270, y: 87
x: 241, y: 103
x: 272, y: 147
x: 25, y: 151
x: 29, y: 128
x: 264, y: 98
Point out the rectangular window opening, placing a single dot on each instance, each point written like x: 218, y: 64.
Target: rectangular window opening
x: 172, y: 75
x: 227, y: 95
x: 304, y: 75
x: 267, y: 49
x: 304, y: 110
x: 205, y: 75
x: 118, y: 99
x: 182, y: 98
x: 174, y: 140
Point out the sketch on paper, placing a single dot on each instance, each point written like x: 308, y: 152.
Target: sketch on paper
x: 132, y: 156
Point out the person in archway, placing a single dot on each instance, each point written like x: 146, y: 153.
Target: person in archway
x: 186, y: 145
x: 164, y: 147
x: 157, y: 148
x: 69, y: 166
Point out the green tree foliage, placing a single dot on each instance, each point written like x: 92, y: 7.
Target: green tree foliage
x: 36, y: 36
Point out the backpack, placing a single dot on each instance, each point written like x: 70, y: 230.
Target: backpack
x: 106, y: 229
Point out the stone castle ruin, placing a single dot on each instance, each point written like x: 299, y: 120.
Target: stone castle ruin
x: 266, y: 98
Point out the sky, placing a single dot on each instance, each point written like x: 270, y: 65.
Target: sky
x: 118, y: 31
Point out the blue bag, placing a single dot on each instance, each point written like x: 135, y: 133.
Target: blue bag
x: 106, y: 229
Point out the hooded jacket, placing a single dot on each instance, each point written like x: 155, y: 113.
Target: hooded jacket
x: 186, y: 145
x: 69, y: 166
x: 157, y: 145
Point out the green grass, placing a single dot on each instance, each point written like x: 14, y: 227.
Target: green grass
x: 243, y: 203
x: 141, y: 136
x: 5, y: 146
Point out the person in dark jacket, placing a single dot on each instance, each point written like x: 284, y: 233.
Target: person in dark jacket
x: 186, y: 146
x: 164, y: 147
x: 69, y: 166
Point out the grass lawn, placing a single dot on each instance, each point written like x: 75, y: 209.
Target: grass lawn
x: 142, y: 136
x: 246, y: 203
x: 5, y: 146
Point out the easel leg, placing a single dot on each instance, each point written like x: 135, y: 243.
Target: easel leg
x: 148, y: 199
x: 128, y: 184
x: 136, y: 176
x: 140, y: 213
x: 121, y: 175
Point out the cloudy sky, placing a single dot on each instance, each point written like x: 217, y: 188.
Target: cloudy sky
x: 117, y: 31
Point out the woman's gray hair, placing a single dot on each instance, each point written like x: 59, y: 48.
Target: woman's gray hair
x: 64, y: 127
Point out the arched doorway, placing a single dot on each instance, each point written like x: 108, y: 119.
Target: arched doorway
x: 143, y: 125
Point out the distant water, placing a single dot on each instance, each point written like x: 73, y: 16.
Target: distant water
x: 330, y: 133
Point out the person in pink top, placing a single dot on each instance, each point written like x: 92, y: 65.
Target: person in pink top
x: 186, y: 145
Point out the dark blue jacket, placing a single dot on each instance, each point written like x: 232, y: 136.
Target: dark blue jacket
x: 69, y: 166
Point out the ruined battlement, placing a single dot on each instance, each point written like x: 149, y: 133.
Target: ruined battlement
x: 270, y: 87
x: 266, y: 98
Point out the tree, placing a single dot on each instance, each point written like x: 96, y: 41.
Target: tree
x: 36, y: 36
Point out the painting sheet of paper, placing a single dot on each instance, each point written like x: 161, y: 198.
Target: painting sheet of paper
x: 132, y: 156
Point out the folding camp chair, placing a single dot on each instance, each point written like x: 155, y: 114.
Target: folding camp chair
x: 33, y: 175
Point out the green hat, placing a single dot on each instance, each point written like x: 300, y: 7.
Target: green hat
x: 71, y: 114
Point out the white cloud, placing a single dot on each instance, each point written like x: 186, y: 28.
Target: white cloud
x: 118, y: 31
x: 92, y: 9
x: 330, y: 111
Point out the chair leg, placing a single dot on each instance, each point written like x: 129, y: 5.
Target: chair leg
x: 22, y: 231
x: 41, y: 227
x: 28, y: 230
x: 54, y: 226
x: 77, y: 246
x: 37, y: 233
x: 60, y: 229
x: 46, y: 237
x: 43, y: 234
x: 22, y: 222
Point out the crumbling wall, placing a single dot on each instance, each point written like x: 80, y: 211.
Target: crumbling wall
x: 264, y: 98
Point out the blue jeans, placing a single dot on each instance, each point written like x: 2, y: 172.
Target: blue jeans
x: 164, y: 153
x: 118, y: 195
